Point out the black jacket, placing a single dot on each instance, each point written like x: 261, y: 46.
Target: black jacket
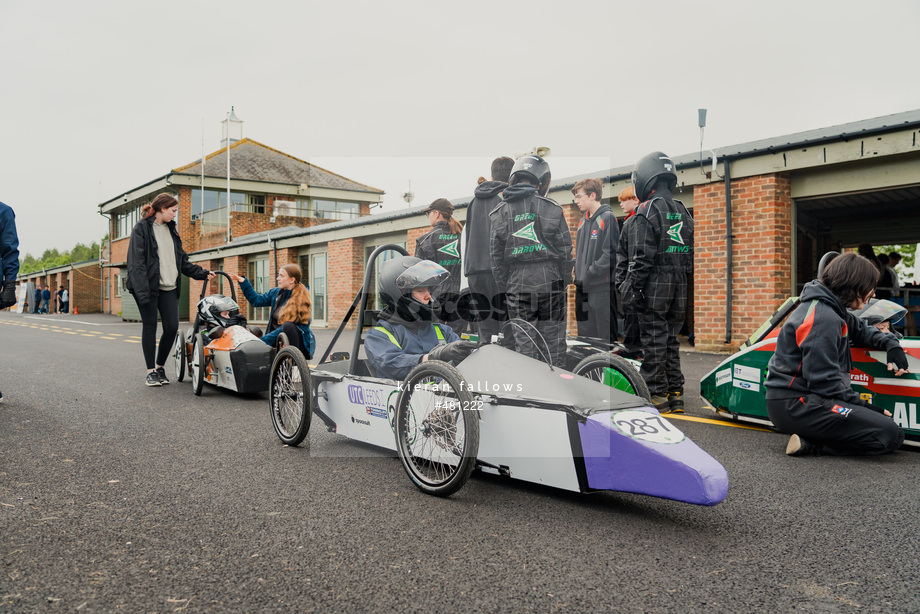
x: 813, y: 348
x: 530, y: 246
x: 476, y: 257
x: 622, y: 256
x: 595, y: 249
x: 441, y: 246
x: 144, y: 262
x: 660, y: 247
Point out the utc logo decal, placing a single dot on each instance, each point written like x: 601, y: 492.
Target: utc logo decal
x: 527, y: 232
x: 674, y: 233
x: 451, y: 248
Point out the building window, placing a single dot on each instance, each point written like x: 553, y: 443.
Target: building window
x: 210, y: 206
x: 123, y: 223
x: 328, y: 209
x: 261, y: 282
x: 373, y: 300
x: 318, y: 287
x: 256, y: 203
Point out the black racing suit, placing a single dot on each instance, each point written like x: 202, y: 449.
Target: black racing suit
x: 531, y: 250
x: 488, y: 304
x: 595, y: 258
x: 808, y: 379
x: 631, y: 338
x: 660, y: 257
x: 442, y: 247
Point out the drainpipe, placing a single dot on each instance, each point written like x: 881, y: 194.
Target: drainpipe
x: 102, y: 272
x: 728, y: 252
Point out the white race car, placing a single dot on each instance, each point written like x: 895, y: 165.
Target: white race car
x: 504, y: 413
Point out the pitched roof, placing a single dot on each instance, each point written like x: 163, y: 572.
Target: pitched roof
x: 254, y: 161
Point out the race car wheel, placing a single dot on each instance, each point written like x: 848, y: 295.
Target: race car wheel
x: 437, y: 428
x: 198, y: 365
x: 290, y: 394
x: 179, y: 357
x: 615, y: 371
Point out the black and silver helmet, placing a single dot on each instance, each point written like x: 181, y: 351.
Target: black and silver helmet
x: 400, y: 276
x: 877, y: 311
x: 534, y: 169
x: 210, y: 308
x: 649, y: 170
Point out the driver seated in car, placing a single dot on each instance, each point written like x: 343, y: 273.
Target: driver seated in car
x: 220, y: 313
x: 406, y: 333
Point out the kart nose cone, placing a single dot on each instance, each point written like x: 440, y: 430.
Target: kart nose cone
x: 641, y: 452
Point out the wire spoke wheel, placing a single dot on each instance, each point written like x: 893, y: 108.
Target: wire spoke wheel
x: 614, y: 371
x: 437, y: 428
x: 179, y: 359
x: 199, y: 364
x: 290, y: 393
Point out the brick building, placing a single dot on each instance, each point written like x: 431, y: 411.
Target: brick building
x: 82, y: 280
x: 268, y: 190
x: 790, y: 199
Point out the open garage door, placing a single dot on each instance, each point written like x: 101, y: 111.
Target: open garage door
x: 833, y: 222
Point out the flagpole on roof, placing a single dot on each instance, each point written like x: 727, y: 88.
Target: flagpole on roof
x: 202, y: 174
x: 228, y: 174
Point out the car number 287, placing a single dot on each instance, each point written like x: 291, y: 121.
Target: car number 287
x: 646, y: 426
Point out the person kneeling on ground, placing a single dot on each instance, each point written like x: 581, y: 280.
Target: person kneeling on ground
x: 808, y: 389
x: 406, y: 333
x: 290, y: 308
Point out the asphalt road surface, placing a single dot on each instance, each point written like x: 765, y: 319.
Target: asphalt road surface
x: 115, y: 497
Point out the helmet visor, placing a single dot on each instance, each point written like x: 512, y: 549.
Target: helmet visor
x: 424, y: 274
x: 882, y: 311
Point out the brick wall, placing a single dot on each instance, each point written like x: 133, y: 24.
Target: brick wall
x: 345, y: 270
x: 572, y: 217
x: 761, y: 258
x: 84, y: 288
x: 412, y: 235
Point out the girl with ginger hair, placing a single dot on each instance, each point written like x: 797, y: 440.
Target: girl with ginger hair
x: 291, y: 308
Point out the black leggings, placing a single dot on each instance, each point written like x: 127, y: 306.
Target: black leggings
x: 167, y: 303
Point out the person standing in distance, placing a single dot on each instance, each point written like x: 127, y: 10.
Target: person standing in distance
x: 660, y: 258
x: 595, y: 258
x: 155, y: 261
x: 441, y: 245
x: 477, y: 263
x: 531, y: 251
x: 631, y: 341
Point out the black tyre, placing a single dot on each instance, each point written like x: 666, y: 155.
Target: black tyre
x: 198, y: 367
x: 615, y: 371
x: 179, y: 357
x: 290, y: 393
x: 437, y: 428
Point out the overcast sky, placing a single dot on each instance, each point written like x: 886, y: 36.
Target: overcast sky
x: 97, y: 98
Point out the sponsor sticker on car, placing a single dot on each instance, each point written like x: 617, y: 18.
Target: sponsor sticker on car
x: 646, y: 426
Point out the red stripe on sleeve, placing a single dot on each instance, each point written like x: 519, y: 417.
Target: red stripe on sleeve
x: 805, y: 327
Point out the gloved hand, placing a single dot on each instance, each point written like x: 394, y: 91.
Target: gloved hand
x: 7, y: 295
x: 880, y: 410
x: 897, y: 357
x: 452, y: 352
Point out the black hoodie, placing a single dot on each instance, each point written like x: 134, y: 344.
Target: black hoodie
x: 813, y: 348
x: 595, y: 249
x: 476, y: 257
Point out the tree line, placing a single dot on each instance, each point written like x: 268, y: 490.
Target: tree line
x: 53, y: 258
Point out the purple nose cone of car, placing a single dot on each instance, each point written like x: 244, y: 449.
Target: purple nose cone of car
x: 639, y: 451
